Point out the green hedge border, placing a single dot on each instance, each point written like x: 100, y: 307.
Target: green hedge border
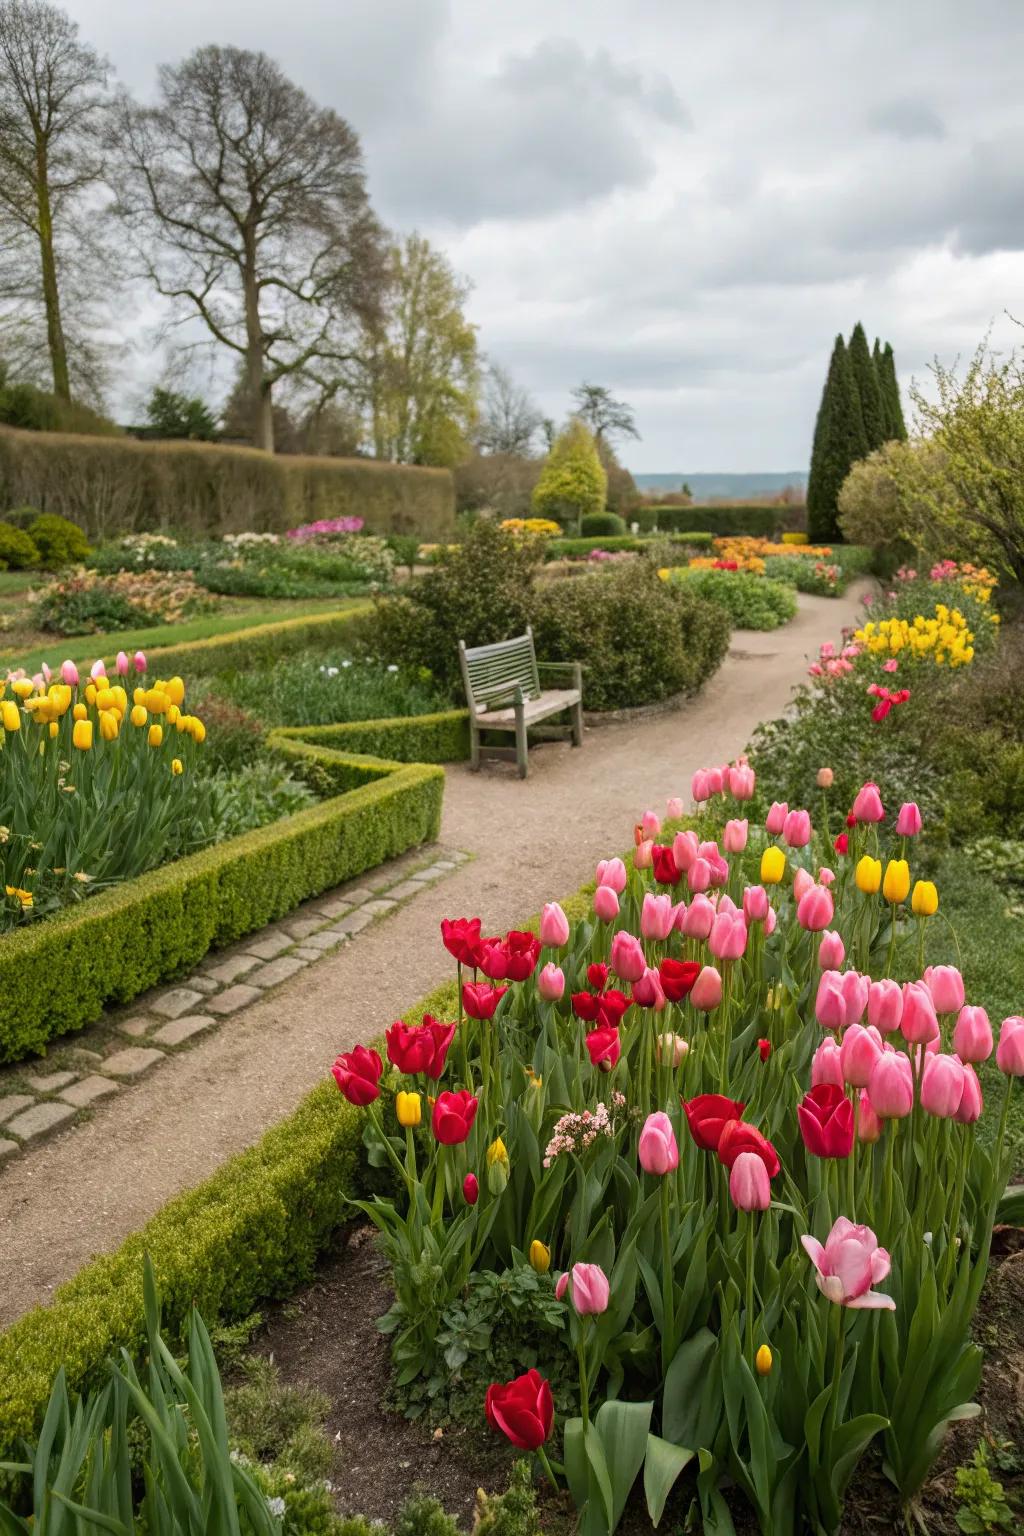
x: 57, y: 975
x: 437, y: 738
x: 249, y: 647
x: 633, y: 544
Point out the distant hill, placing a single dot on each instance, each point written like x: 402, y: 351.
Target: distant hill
x: 723, y: 487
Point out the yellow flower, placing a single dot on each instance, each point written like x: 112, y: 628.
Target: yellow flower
x: 896, y: 885
x: 540, y: 1256
x: 10, y: 716
x: 109, y: 724
x: 175, y: 690
x: 773, y: 866
x: 105, y: 699
x: 869, y: 875
x: 498, y: 1167
x: 54, y: 728
x: 925, y: 899
x: 156, y: 735
x: 497, y: 1153
x: 17, y: 894
x: 90, y: 693
x: 763, y: 1360
x: 156, y: 701
x: 79, y: 712
x: 139, y: 696
x: 23, y: 687
x: 408, y: 1106
x: 82, y: 735
x: 173, y: 715
x: 198, y: 729
x: 139, y: 714
x: 176, y: 765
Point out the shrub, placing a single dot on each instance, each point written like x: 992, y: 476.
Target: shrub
x: 652, y: 546
x: 58, y: 541
x: 35, y: 410
x: 794, y: 538
x: 752, y: 602
x: 754, y: 519
x: 594, y: 524
x: 18, y: 550
x: 638, y: 638
x: 573, y: 481
x: 86, y: 603
x: 233, y: 735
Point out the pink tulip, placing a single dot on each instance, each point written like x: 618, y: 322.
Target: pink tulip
x: 971, y: 1101
x: 716, y: 780
x: 69, y: 674
x: 679, y: 916
x: 826, y: 778
x: 942, y: 1085
x: 918, y: 1024
x: 749, y: 1185
x: 706, y: 993
x: 684, y: 850
x: 674, y: 808
x: 849, y: 1264
x: 122, y: 664
x: 1010, y: 1051
x: 657, y: 1148
x: 612, y: 872
x: 859, y: 1052
x: 891, y: 1086
x: 826, y: 876
x: 700, y: 916
x: 885, y: 1005
x: 755, y: 903
x: 728, y: 937
x: 590, y: 1290
x: 826, y: 1064
x: 796, y: 829
x: 606, y: 904
x: 776, y: 818
x: 671, y: 1048
x: 140, y: 661
x: 699, y: 875
x: 699, y: 786
x: 770, y: 921
x: 726, y: 904
x: 734, y: 838
x: 627, y: 957
x: 561, y: 1285
x: 855, y: 995
x: 868, y: 804
x: 47, y: 674
x: 656, y: 917
x: 831, y: 951
x: 803, y: 881
x: 869, y: 1127
x: 946, y: 986
x: 815, y: 909
x: 551, y: 983
x: 643, y: 855
x: 719, y: 870
x: 972, y: 1037
x: 554, y: 926
x: 908, y: 822
x: 650, y: 821
x: 741, y: 782
x: 648, y: 991
x: 98, y: 669
x: 829, y: 1003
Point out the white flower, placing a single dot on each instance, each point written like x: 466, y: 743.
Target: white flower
x: 276, y: 1507
x: 332, y: 671
x: 392, y: 668
x: 346, y: 663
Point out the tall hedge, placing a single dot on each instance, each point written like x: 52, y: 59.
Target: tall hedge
x: 739, y: 518
x: 118, y: 485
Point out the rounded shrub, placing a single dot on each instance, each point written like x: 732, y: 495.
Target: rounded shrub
x: 595, y: 525
x: 752, y: 602
x: 18, y: 550
x: 58, y: 540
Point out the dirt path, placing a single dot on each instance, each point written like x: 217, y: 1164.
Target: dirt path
x: 82, y: 1192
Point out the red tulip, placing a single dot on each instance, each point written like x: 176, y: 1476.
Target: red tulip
x: 453, y: 1117
x: 597, y: 976
x: 825, y: 1116
x: 603, y: 1008
x: 470, y: 1189
x: 481, y: 1000
x: 764, y: 1049
x: 513, y: 957
x: 521, y: 1409
x: 461, y: 936
x: 604, y: 1047
x: 737, y: 1137
x: 677, y: 977
x: 707, y: 1114
x: 842, y: 843
x: 423, y: 1049
x: 666, y: 870
x: 357, y: 1074
x: 586, y: 1005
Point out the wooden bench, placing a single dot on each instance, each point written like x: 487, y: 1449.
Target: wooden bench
x: 504, y: 694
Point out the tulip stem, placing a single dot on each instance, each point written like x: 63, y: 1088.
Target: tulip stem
x: 581, y: 1355
x: 542, y: 1458
x: 438, y: 1206
x: 851, y: 1187
x: 949, y: 1266
x: 837, y: 1370
x: 668, y: 1283
x: 463, y: 1044
x: 750, y: 1286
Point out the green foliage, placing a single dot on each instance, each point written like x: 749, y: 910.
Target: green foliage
x: 35, y: 410
x: 234, y: 737
x: 58, y: 540
x: 983, y: 1509
x: 405, y: 547
x: 18, y: 550
x: 422, y: 1515
x: 869, y: 389
x: 887, y: 502
x: 254, y: 795
x: 828, y: 576
x: 272, y: 1422
x: 596, y: 524
x: 651, y: 545
x: 640, y: 639
x: 751, y: 601
x: 752, y: 518
x: 442, y: 737
x: 259, y: 645
x: 331, y: 688
x: 82, y: 602
x: 172, y: 414
x: 839, y: 441
x: 103, y: 950
x: 885, y: 363
x: 573, y: 483
x: 512, y: 1513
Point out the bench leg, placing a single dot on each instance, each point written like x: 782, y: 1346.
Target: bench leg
x: 577, y: 724
x: 521, y: 745
x: 474, y: 747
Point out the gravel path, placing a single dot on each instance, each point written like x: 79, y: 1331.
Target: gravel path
x: 83, y: 1192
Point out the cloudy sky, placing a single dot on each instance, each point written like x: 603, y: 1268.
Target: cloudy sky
x: 681, y: 201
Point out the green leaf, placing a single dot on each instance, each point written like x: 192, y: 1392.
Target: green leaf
x: 684, y: 1381
x: 93, y: 1517
x: 849, y: 1441
x: 662, y: 1466
x: 1010, y: 1210
x: 623, y: 1428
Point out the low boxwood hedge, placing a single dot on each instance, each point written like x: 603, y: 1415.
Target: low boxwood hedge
x: 58, y: 974
x: 740, y: 518
x: 254, y: 646
x: 437, y: 738
x: 569, y: 549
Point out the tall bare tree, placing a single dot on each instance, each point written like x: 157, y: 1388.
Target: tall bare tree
x: 606, y: 417
x: 510, y: 421
x: 52, y: 91
x: 249, y: 210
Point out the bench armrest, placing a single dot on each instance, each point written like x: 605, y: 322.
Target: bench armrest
x: 570, y: 669
x: 497, y: 698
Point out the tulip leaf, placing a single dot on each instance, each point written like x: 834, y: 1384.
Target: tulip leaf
x: 662, y: 1466
x: 849, y: 1442
x: 686, y: 1383
x: 623, y: 1429
x: 1010, y: 1210
x: 94, y: 1517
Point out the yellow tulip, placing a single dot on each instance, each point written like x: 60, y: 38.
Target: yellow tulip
x: 60, y: 693
x: 896, y: 885
x: 105, y: 699
x: 90, y: 693
x: 773, y: 865
x: 101, y: 683
x: 869, y: 875
x: 497, y: 1153
x: 540, y: 1256
x: 156, y: 701
x: 156, y: 735
x: 408, y: 1106
x: 498, y: 1167
x: 23, y: 687
x: 198, y: 729
x: 54, y: 728
x: 109, y: 724
x: 176, y: 765
x: 925, y: 899
x: 173, y: 715
x: 763, y: 1360
x: 79, y: 712
x: 139, y: 696
x: 183, y: 723
x: 10, y: 715
x: 139, y: 714
x: 175, y: 690
x: 82, y: 735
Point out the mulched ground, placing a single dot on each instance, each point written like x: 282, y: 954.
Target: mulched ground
x: 326, y: 1337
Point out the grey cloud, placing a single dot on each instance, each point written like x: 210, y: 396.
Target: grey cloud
x: 906, y: 118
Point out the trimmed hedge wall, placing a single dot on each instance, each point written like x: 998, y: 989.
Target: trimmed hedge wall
x: 111, y: 485
x: 116, y: 945
x: 438, y: 738
x: 251, y: 647
x: 562, y: 549
x: 763, y: 521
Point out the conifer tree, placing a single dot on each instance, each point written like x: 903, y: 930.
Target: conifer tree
x: 891, y: 391
x: 839, y: 441
x: 879, y: 367
x: 869, y: 389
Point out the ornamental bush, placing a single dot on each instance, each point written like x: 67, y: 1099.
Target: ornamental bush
x: 573, y: 483
x: 752, y: 601
x: 596, y: 524
x: 59, y: 541
x: 18, y: 551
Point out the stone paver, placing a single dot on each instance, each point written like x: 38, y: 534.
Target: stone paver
x: 276, y: 970
x: 136, y: 1027
x: 11, y: 1103
x: 400, y: 892
x: 177, y: 1031
x: 380, y: 905
x: 234, y: 998
x: 179, y: 1000
x: 356, y: 897
x: 272, y: 944
x: 39, y: 1119
x: 304, y: 952
x: 354, y: 922
x: 232, y: 968
x: 132, y: 1061
x: 204, y: 984
x: 302, y: 927
x: 324, y: 941
x: 89, y: 1090
x: 335, y: 908
x: 7, y: 1147
x: 51, y: 1081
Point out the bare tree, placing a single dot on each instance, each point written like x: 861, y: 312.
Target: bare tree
x: 606, y: 417
x: 248, y: 207
x: 510, y: 420
x: 52, y: 93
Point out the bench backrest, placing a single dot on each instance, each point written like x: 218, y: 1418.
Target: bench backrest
x: 494, y: 669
